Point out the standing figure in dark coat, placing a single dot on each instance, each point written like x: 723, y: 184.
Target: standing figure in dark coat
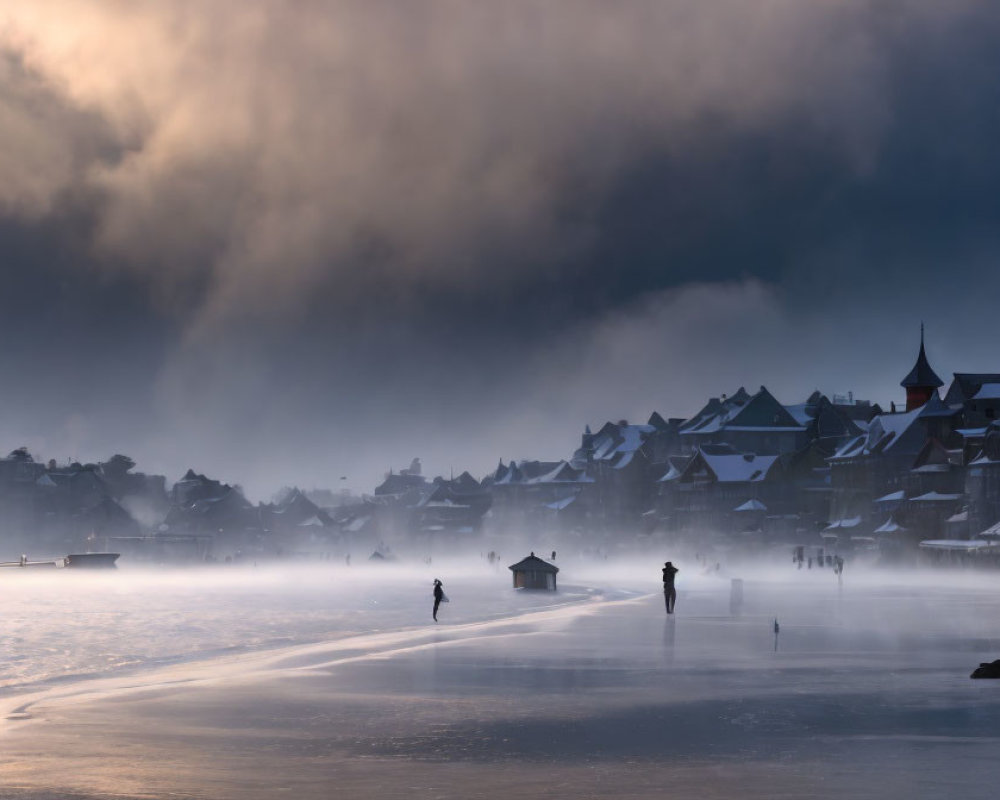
x: 438, y: 597
x: 669, y: 592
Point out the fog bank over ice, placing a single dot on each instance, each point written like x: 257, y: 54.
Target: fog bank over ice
x: 64, y: 624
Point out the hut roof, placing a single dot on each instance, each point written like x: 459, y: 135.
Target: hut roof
x: 534, y: 564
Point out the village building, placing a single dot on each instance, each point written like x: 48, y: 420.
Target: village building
x: 534, y: 573
x: 715, y: 489
x: 751, y: 424
x: 966, y: 385
x: 554, y: 494
x: 213, y: 519
x: 619, y: 461
x: 452, y: 513
x: 982, y: 484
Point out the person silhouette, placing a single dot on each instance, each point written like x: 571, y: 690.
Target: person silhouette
x: 438, y: 597
x: 669, y: 592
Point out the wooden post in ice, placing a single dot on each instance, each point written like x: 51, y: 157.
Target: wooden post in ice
x: 777, y: 630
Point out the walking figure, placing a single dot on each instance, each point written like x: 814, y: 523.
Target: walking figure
x: 438, y: 597
x: 669, y: 592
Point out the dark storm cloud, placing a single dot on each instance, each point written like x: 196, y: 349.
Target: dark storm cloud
x: 293, y: 236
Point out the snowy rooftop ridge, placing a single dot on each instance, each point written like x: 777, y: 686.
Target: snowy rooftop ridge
x: 988, y: 391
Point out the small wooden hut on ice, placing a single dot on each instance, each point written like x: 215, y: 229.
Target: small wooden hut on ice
x: 533, y: 573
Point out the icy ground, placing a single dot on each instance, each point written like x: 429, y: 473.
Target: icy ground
x: 864, y: 692
x: 60, y: 625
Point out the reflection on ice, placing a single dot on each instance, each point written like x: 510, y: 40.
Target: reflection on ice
x: 58, y: 623
x: 61, y: 624
x: 832, y: 687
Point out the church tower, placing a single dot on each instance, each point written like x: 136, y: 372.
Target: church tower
x: 922, y: 381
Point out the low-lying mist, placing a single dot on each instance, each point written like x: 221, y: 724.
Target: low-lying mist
x: 66, y: 623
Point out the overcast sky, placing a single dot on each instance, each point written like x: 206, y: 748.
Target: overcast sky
x: 282, y: 241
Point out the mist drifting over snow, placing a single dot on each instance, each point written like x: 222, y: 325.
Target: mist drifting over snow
x: 61, y: 625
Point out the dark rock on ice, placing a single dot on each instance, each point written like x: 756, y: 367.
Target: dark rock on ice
x: 987, y: 670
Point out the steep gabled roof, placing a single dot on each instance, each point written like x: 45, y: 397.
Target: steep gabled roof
x: 465, y: 483
x: 966, y: 384
x: 511, y: 474
x: 762, y: 411
x: 884, y: 433
x: 921, y: 375
x: 563, y: 473
x: 658, y: 422
x: 732, y: 468
x: 988, y: 391
x: 802, y: 413
x: 535, y: 469
x: 614, y: 439
x: 935, y: 407
x: 716, y: 412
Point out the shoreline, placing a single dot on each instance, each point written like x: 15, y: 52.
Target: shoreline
x: 14, y: 707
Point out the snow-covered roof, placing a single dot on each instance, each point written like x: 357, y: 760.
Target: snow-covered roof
x: 961, y: 516
x: 852, y: 447
x: 564, y: 472
x: 988, y: 391
x: 958, y: 545
x: 883, y: 434
x: 559, y: 505
x: 971, y: 433
x: 889, y: 526
x: 625, y: 460
x: 739, y: 468
x: 671, y: 474
x: 850, y: 522
x: 892, y: 497
x: 800, y: 413
x: 445, y: 503
x: 935, y: 407
x: 613, y: 440
x: 937, y: 497
x: 534, y: 564
x: 888, y: 424
x: 992, y: 532
x: 751, y: 505
x: 512, y: 474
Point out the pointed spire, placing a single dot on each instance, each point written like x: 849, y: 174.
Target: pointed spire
x: 922, y: 375
x: 922, y: 381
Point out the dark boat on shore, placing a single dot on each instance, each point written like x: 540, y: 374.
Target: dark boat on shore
x: 90, y: 560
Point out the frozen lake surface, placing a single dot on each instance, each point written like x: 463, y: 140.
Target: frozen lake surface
x: 61, y: 625
x: 865, y: 692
